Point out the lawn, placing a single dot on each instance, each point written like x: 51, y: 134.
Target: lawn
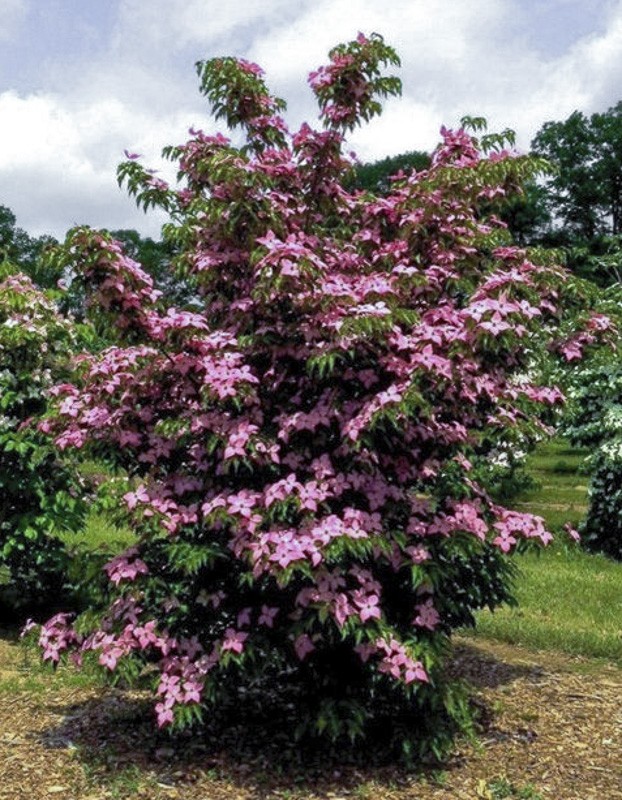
x: 568, y: 600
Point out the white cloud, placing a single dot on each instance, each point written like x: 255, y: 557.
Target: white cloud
x: 59, y: 146
x: 440, y: 44
x: 587, y: 77
x: 154, y: 26
x: 594, y: 65
x: 58, y: 161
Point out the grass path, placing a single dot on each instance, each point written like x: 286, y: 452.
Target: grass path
x: 560, y: 491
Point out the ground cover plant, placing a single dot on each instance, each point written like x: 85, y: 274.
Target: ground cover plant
x: 302, y: 445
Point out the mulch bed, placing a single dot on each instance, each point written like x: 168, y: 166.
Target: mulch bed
x: 549, y: 721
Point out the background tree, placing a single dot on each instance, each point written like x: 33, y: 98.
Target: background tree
x: 40, y: 495
x: 528, y: 216
x: 374, y: 177
x: 584, y: 196
x: 592, y: 419
x: 575, y: 194
x: 24, y: 252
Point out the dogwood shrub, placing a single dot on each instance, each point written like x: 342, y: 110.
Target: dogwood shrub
x: 594, y: 421
x: 39, y: 496
x: 302, y: 442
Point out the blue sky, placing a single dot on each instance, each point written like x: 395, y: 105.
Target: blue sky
x: 80, y: 80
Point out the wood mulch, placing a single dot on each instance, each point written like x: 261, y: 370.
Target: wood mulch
x: 551, y: 730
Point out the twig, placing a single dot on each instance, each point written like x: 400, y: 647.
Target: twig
x: 586, y: 696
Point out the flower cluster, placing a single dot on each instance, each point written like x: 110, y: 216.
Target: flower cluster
x: 56, y: 636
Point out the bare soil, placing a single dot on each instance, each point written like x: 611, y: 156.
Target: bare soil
x: 551, y: 728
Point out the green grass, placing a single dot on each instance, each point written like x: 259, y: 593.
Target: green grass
x: 26, y: 672
x: 569, y: 600
x: 35, y: 679
x: 502, y: 789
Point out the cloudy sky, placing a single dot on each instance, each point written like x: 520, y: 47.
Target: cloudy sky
x: 80, y: 80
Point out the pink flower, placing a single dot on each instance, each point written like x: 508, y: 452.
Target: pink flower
x: 342, y: 609
x: 364, y: 651
x: 574, y: 534
x: 192, y: 692
x: 127, y: 566
x: 250, y: 67
x: 110, y: 657
x: 164, y: 714
x: 234, y: 640
x: 418, y: 553
x: 190, y: 647
x: 244, y: 618
x: 415, y: 672
x: 213, y: 504
x: 146, y: 634
x: 428, y: 617
x: 367, y: 605
x: 267, y: 616
x: 242, y: 503
x: 303, y: 646
x: 133, y: 498
x: 572, y: 350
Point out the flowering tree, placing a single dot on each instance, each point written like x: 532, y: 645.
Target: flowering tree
x: 39, y: 495
x: 593, y: 420
x: 301, y: 445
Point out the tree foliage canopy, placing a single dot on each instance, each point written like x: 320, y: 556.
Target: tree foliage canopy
x: 39, y: 494
x: 585, y: 193
x: 18, y: 249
